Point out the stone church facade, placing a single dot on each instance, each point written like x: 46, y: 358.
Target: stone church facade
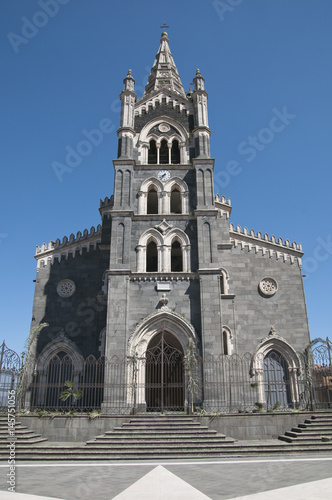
x: 165, y: 268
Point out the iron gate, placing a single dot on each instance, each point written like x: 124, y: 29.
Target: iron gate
x: 164, y: 374
x: 10, y: 365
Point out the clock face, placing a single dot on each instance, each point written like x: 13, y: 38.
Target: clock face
x: 164, y: 175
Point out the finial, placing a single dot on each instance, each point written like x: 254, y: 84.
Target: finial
x: 129, y: 81
x: 272, y: 331
x: 198, y: 73
x: 164, y: 34
x: 164, y: 299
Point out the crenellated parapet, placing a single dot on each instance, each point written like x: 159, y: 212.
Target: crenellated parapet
x: 271, y: 246
x: 107, y: 202
x: 151, y: 103
x: 106, y: 206
x: 56, y: 250
x: 223, y: 205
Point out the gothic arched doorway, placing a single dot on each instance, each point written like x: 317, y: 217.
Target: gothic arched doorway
x: 164, y: 378
x: 276, y: 380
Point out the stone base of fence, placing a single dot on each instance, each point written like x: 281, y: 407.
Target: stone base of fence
x: 81, y: 428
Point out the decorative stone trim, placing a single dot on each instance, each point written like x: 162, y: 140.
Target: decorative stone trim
x: 223, y: 205
x: 164, y: 127
x: 268, y: 286
x: 159, y: 277
x: 56, y: 250
x: 147, y: 102
x: 255, y: 239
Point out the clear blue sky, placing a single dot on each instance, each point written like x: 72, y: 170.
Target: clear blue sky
x: 65, y: 75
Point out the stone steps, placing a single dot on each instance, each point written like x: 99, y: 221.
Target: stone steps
x: 22, y: 435
x: 298, y: 431
x: 86, y: 453
x: 161, y: 437
x: 313, y: 431
x: 154, y: 439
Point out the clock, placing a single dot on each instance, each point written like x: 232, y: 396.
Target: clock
x: 164, y: 175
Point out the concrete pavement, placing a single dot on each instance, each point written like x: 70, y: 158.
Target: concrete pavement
x: 255, y: 479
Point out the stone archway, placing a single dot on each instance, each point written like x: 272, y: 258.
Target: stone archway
x: 158, y: 346
x: 276, y: 365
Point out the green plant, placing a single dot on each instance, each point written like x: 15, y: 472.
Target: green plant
x: 258, y: 407
x: 70, y: 392
x: 94, y: 414
x: 200, y: 411
x: 25, y: 358
x: 70, y: 413
x: 277, y: 406
x: 46, y: 413
x: 23, y: 411
x: 254, y: 385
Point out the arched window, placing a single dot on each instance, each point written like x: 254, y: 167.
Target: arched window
x: 151, y: 257
x: 59, y: 369
x: 176, y: 205
x: 225, y: 342
x: 152, y: 153
x: 163, y: 154
x: 223, y: 280
x: 176, y: 257
x: 175, y: 152
x: 152, y: 201
x: 222, y: 284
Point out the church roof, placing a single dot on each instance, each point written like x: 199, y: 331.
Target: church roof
x: 164, y: 73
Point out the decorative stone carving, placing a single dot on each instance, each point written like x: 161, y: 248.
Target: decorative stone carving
x: 268, y: 286
x: 164, y: 226
x: 164, y: 127
x: 66, y: 288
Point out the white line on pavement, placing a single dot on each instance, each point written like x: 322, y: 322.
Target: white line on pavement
x: 147, y: 464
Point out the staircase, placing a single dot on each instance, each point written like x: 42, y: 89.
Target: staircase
x: 313, y: 432
x: 162, y: 437
x: 23, y: 436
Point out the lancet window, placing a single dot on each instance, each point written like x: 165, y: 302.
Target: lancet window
x: 151, y: 257
x: 163, y: 253
x: 164, y: 152
x: 152, y: 201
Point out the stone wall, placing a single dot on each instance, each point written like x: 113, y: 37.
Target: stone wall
x: 242, y: 427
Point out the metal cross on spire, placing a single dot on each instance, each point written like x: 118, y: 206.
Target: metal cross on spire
x: 164, y: 26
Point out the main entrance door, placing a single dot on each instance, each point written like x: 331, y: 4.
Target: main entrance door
x: 276, y: 380
x: 165, y: 386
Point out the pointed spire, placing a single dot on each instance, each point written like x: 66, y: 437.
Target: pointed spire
x: 164, y: 73
x: 198, y: 81
x: 129, y: 81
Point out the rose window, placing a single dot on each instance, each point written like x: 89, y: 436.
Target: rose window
x: 268, y: 286
x: 66, y: 288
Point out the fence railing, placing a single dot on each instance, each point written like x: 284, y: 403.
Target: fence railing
x: 224, y: 383
x: 10, y: 366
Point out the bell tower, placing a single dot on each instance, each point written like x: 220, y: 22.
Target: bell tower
x: 163, y: 219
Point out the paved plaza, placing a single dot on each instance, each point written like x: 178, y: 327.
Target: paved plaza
x: 305, y: 477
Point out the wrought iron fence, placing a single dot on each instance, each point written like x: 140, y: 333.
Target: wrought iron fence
x: 10, y: 366
x: 322, y: 374
x: 161, y: 381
